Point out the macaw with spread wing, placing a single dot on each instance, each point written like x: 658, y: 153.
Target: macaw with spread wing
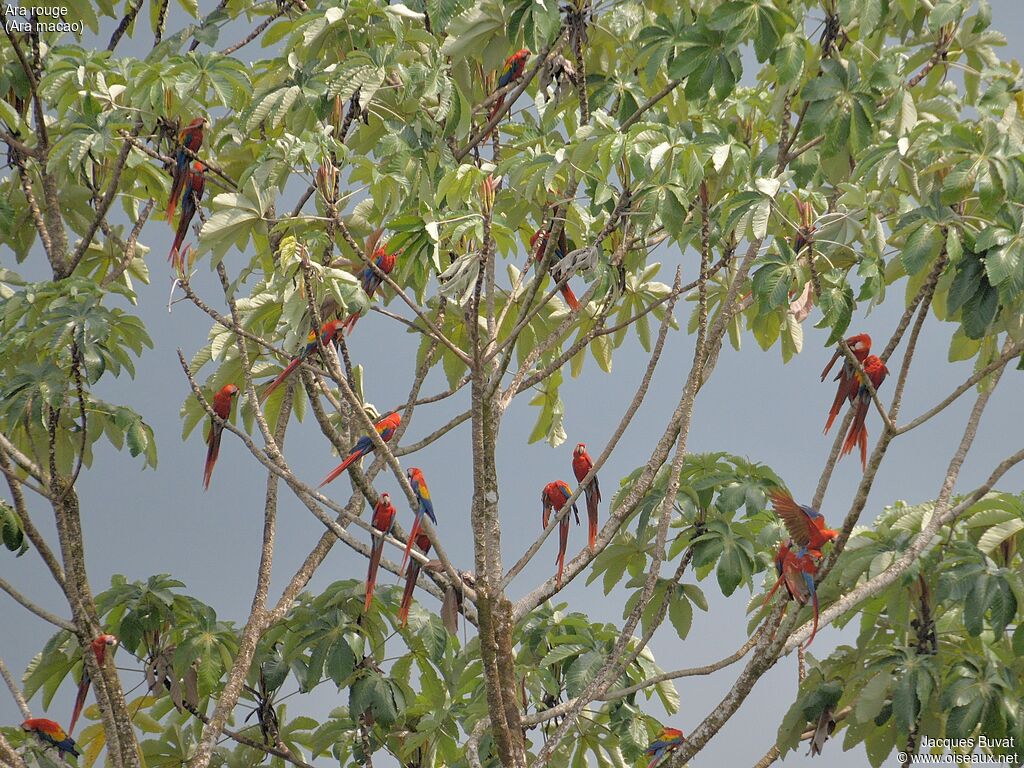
x: 99, y: 649
x: 383, y: 521
x: 553, y: 499
x: 385, y: 428
x: 806, y: 525
x: 860, y: 346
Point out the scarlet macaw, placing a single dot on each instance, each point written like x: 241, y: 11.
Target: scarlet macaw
x: 553, y: 497
x: 383, y: 521
x: 860, y: 346
x: 329, y: 333
x: 385, y: 428
x: 515, y: 65
x: 99, y: 649
x: 419, y: 487
x: 194, y: 186
x: 858, y: 434
x: 51, y: 733
x: 581, y: 465
x: 371, y: 281
x: 423, y: 543
x: 538, y: 242
x: 669, y: 740
x: 797, y: 570
x: 222, y: 407
x: 805, y: 524
x: 191, y: 137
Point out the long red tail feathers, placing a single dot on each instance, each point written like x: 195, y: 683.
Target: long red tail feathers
x: 563, y: 543
x: 350, y: 323
x: 570, y: 298
x: 211, y: 456
x: 858, y: 434
x: 772, y: 593
x: 410, y: 585
x: 280, y: 378
x: 371, y: 575
x: 592, y: 515
x: 177, y: 185
x: 336, y: 472
x: 837, y: 405
x: 408, y: 544
x: 83, y: 691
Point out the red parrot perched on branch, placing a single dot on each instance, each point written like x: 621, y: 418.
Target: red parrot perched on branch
x: 538, y: 242
x: 860, y: 346
x: 669, y: 740
x: 385, y: 428
x: 383, y: 521
x: 581, y: 465
x: 99, y: 649
x: 222, y: 407
x: 515, y: 65
x: 194, y: 185
x: 553, y: 497
x: 797, y: 570
x: 329, y: 333
x: 425, y: 506
x: 371, y: 281
x: 858, y: 434
x: 805, y: 525
x: 423, y: 544
x: 191, y: 138
x: 51, y: 733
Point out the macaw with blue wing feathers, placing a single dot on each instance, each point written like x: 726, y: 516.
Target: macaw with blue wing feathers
x: 190, y: 138
x: 514, y: 67
x: 538, y: 241
x: 553, y: 499
x: 797, y: 569
x: 330, y: 332
x: 371, y: 281
x: 425, y: 506
x: 385, y: 428
x: 51, y: 733
x: 195, y: 183
x: 669, y: 740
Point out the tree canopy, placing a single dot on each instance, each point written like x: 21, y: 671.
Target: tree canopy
x: 774, y: 163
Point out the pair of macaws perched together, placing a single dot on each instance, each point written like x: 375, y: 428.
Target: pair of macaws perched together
x: 188, y: 181
x: 853, y: 388
x: 797, y: 558
x: 555, y: 495
x: 383, y: 521
x: 50, y: 732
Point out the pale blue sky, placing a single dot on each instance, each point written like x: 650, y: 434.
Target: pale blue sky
x: 142, y: 522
